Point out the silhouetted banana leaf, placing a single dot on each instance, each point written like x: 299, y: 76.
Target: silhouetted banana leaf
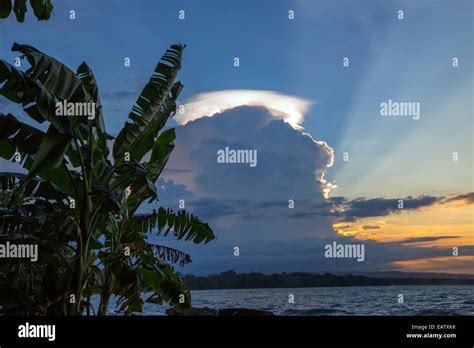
x: 57, y: 78
x: 182, y: 224
x: 20, y: 9
x: 18, y: 136
x: 35, y: 188
x: 39, y: 151
x: 156, y: 103
x: 84, y: 73
x: 165, y: 253
x: 171, y: 255
x: 45, y: 83
x: 35, y: 217
x: 104, y: 196
x: 51, y: 152
x: 5, y: 8
x: 37, y: 101
x: 41, y: 8
x: 163, y: 282
x: 144, y: 188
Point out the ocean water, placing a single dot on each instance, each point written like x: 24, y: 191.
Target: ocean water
x: 367, y: 300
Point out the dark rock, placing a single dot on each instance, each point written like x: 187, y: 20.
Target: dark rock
x: 205, y: 311
x: 240, y: 312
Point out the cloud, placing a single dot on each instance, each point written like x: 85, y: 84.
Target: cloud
x: 450, y: 264
x: 290, y: 163
x: 172, y: 191
x: 291, y: 109
x: 370, y: 227
x: 425, y: 239
x: 351, y: 210
x: 246, y: 205
x: 346, y: 210
x: 342, y: 211
x: 467, y: 198
x: 216, y: 208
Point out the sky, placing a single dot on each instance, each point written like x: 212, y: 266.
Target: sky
x: 316, y: 124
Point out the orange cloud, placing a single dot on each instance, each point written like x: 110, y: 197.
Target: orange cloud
x: 448, y: 264
x: 452, y: 217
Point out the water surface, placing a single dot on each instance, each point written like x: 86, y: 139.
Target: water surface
x: 366, y: 300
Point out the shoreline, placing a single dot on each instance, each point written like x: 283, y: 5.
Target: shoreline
x: 231, y: 280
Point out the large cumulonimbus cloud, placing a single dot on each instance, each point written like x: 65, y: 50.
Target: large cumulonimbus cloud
x: 290, y: 163
x: 247, y: 206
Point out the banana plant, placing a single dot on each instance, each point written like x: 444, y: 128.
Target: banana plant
x: 78, y: 200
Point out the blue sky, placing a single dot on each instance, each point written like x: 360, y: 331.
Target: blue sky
x: 407, y: 60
